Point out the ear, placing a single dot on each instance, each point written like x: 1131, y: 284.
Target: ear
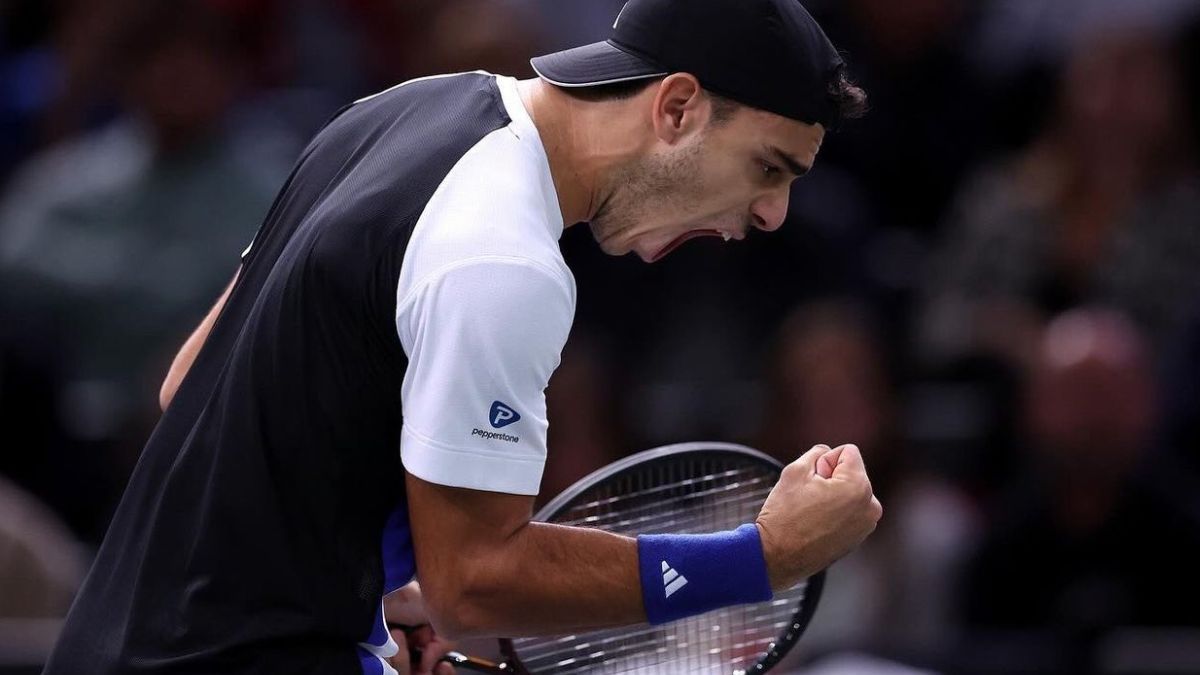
x: 679, y: 107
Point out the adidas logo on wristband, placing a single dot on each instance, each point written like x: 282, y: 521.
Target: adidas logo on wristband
x: 672, y: 580
x: 725, y: 568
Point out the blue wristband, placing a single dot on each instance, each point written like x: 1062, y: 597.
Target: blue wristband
x: 688, y: 574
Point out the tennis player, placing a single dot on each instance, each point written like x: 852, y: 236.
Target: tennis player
x: 364, y: 405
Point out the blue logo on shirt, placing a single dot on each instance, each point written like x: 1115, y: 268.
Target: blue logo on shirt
x: 502, y: 415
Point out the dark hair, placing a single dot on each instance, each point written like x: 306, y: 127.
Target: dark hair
x: 723, y: 108
x: 848, y: 99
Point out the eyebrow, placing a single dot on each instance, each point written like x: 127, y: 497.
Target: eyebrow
x: 792, y: 163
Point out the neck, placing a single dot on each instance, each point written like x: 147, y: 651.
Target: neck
x: 585, y: 143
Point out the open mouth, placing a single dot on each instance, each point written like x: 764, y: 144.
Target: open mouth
x: 686, y: 236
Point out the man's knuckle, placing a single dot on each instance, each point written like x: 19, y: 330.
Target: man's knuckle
x: 863, y: 491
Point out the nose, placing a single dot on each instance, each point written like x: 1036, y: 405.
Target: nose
x: 769, y: 210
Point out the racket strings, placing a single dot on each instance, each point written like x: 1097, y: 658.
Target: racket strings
x: 588, y: 517
x: 681, y: 497
x: 603, y: 639
x: 681, y: 485
x: 599, y: 646
x: 675, y: 520
x: 617, y: 505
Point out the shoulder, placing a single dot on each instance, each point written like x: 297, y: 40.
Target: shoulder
x: 496, y: 204
x: 450, y: 83
x: 434, y: 111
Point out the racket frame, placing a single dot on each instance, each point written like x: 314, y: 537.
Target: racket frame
x: 812, y: 593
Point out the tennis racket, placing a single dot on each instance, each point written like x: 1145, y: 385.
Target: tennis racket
x: 684, y: 488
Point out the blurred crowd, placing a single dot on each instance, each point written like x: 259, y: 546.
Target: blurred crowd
x: 991, y: 284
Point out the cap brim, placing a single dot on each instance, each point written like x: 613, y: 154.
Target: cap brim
x: 592, y: 65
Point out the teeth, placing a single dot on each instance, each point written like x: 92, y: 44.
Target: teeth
x: 726, y: 236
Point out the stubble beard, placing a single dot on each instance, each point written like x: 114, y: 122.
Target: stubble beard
x: 644, y: 190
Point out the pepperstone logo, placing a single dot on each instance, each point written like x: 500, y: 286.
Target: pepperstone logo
x: 495, y: 436
x: 502, y: 415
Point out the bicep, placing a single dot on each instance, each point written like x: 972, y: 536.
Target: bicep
x: 453, y: 529
x: 449, y: 523
x: 487, y: 570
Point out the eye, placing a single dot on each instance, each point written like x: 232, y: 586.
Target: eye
x: 769, y: 170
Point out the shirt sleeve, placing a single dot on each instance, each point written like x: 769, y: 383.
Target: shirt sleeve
x: 482, y: 338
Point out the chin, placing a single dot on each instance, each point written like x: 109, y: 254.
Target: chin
x: 609, y: 249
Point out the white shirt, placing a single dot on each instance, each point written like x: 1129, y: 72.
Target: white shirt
x: 484, y: 305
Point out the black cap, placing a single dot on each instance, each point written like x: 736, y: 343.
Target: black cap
x: 768, y: 54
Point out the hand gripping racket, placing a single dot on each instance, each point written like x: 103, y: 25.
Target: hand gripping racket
x: 682, y: 489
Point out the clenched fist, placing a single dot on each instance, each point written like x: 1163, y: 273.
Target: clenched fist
x: 821, y: 509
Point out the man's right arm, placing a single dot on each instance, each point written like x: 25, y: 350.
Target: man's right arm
x: 487, y: 571
x: 483, y: 337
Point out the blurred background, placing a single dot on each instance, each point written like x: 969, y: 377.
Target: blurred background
x: 991, y: 284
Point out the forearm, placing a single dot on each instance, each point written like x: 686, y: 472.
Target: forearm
x: 550, y: 579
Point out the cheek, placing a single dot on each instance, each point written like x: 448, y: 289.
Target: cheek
x: 728, y: 175
x: 711, y: 201
x: 724, y: 186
